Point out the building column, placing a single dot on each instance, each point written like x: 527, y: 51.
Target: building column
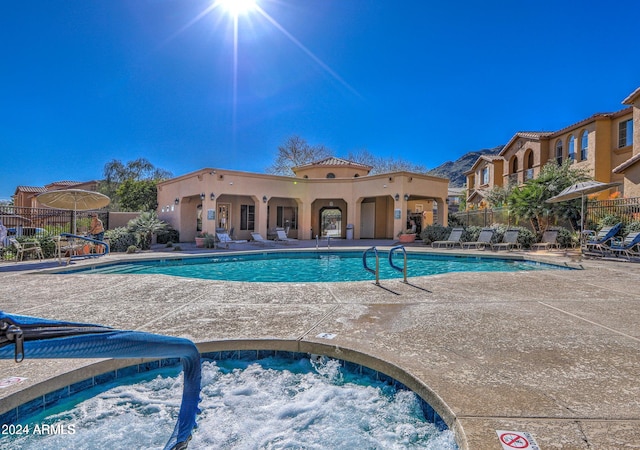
x: 304, y: 220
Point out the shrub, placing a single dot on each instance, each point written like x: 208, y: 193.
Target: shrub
x: 632, y: 227
x: 132, y: 249
x: 608, y: 221
x: 120, y: 239
x: 170, y: 235
x: 432, y: 233
x: 567, y: 238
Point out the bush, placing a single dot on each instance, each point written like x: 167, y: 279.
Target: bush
x: 132, y: 249
x: 432, y: 233
x: 632, y: 227
x: 526, y: 237
x: 120, y: 239
x: 167, y: 236
x: 567, y: 238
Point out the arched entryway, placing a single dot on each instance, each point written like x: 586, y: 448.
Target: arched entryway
x: 331, y: 221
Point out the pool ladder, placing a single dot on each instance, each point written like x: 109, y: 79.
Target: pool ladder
x: 376, y: 271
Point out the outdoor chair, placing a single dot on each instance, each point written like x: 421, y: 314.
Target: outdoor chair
x: 27, y: 247
x: 549, y: 240
x: 629, y: 246
x: 509, y: 241
x: 282, y: 237
x: 225, y: 240
x: 454, y: 239
x: 258, y: 239
x: 593, y: 243
x: 484, y: 240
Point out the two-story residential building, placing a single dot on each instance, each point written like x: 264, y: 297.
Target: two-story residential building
x: 607, y: 145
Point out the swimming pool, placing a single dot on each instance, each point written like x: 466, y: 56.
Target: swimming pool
x: 311, y: 266
x: 275, y: 401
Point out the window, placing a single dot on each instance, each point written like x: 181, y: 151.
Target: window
x: 572, y: 148
x: 625, y: 133
x: 247, y: 217
x: 528, y: 174
x: 514, y: 165
x: 584, y: 146
x: 559, y: 152
x: 331, y: 175
x: 287, y: 217
x: 485, y: 175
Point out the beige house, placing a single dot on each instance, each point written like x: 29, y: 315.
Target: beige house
x: 332, y: 197
x: 606, y: 144
x: 25, y: 196
x: 630, y: 169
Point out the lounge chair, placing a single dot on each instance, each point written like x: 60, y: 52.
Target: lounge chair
x: 258, y: 239
x: 549, y: 240
x: 454, y: 239
x: 26, y: 247
x: 225, y: 240
x: 484, y: 240
x: 282, y: 237
x: 509, y: 241
x: 593, y: 242
x: 629, y: 246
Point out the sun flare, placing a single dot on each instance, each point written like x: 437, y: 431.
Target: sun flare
x: 238, y: 7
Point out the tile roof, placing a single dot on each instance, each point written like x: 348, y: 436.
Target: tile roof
x: 628, y: 163
x: 31, y: 189
x: 631, y: 98
x: 333, y: 161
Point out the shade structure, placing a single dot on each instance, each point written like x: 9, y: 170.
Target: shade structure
x: 75, y: 200
x: 579, y: 190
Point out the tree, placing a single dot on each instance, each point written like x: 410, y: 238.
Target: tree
x: 296, y: 152
x: 138, y: 195
x: 497, y: 196
x: 385, y: 165
x: 116, y: 173
x: 529, y: 201
x: 145, y: 226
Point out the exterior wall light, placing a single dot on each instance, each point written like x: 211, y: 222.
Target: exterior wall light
x: 176, y: 201
x: 264, y: 199
x: 212, y: 196
x: 397, y: 197
x: 202, y: 196
x: 406, y: 197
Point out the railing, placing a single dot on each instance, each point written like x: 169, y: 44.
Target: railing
x: 376, y: 272
x: 625, y: 210
x: 402, y: 269
x: 101, y: 248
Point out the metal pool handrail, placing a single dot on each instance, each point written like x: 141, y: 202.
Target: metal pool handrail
x: 399, y: 269
x: 367, y: 268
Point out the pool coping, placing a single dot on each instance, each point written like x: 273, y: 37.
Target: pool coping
x: 470, y: 433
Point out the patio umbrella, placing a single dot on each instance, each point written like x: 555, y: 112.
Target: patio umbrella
x: 579, y: 190
x: 75, y: 200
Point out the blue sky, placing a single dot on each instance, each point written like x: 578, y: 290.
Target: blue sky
x: 87, y: 81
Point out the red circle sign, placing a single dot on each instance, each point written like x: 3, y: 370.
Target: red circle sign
x: 514, y: 440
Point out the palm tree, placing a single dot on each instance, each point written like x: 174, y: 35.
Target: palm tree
x: 146, y: 225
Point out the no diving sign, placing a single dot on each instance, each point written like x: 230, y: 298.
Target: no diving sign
x: 520, y: 440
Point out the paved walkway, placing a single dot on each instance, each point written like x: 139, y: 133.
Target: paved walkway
x: 553, y: 353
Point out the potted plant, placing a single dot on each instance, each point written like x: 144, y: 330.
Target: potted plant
x: 406, y: 238
x: 200, y: 237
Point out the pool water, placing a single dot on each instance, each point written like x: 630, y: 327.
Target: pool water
x: 271, y: 403
x: 313, y: 266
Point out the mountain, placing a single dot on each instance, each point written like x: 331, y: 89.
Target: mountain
x: 454, y: 170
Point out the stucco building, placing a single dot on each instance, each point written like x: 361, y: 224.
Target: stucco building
x: 324, y: 198
x: 606, y: 144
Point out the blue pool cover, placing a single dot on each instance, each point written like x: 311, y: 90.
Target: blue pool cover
x: 30, y: 337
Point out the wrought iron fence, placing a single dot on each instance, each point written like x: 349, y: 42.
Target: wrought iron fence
x: 625, y: 210
x: 41, y: 224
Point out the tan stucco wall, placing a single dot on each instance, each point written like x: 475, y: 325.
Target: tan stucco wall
x: 310, y: 195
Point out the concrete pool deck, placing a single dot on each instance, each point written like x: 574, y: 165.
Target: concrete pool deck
x: 555, y: 353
